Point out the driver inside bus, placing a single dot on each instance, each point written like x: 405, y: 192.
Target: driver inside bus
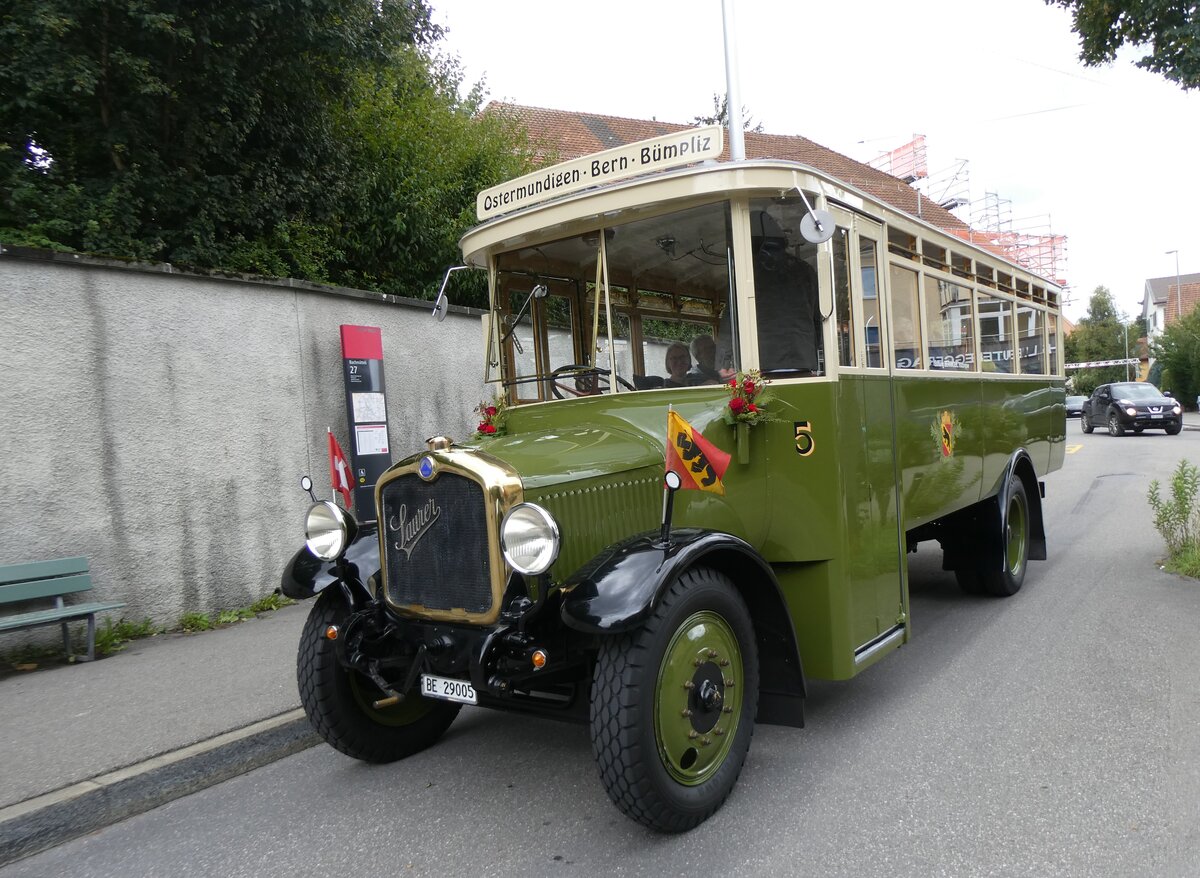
x: 785, y: 290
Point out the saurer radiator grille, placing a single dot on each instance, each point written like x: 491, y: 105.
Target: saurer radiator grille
x: 437, y: 543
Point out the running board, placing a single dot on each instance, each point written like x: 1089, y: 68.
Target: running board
x: 872, y: 648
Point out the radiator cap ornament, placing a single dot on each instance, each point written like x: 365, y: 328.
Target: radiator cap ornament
x: 425, y: 468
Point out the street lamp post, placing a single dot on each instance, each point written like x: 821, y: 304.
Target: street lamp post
x: 1126, y: 351
x: 1178, y: 288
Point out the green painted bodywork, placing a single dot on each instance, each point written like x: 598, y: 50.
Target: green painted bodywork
x: 831, y: 522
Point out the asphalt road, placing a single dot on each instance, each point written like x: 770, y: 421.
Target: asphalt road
x: 1053, y: 733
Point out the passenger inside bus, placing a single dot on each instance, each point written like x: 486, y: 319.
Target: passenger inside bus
x: 679, y: 361
x: 704, y: 349
x: 789, y: 314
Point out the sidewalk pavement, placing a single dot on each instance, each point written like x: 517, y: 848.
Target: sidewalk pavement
x: 85, y: 745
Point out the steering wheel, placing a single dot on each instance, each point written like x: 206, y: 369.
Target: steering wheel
x: 588, y: 381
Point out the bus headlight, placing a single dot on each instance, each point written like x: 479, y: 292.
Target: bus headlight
x: 529, y: 539
x: 328, y: 530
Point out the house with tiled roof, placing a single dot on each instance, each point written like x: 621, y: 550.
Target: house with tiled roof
x: 1166, y: 298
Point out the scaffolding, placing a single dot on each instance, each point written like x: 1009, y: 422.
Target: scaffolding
x: 1027, y: 241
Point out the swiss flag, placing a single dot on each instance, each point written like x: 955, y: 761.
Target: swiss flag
x: 339, y: 471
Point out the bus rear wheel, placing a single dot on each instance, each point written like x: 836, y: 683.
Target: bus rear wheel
x: 673, y: 704
x: 1015, y: 545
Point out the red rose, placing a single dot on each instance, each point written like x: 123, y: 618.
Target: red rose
x: 751, y: 407
x: 490, y: 411
x: 748, y: 387
x: 733, y: 382
x: 736, y: 405
x: 486, y: 428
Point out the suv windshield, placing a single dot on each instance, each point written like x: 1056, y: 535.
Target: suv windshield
x: 1135, y: 391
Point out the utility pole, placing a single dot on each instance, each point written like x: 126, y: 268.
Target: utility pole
x: 1178, y: 288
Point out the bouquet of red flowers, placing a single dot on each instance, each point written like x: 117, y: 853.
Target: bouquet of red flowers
x: 492, y: 416
x: 748, y: 399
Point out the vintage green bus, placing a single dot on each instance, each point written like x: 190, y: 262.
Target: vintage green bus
x: 907, y: 386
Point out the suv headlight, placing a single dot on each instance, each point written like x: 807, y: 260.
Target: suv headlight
x: 1131, y: 411
x: 1177, y: 409
x: 529, y: 539
x: 328, y: 530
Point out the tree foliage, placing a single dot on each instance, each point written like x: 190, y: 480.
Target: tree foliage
x: 320, y: 139
x: 1100, y: 335
x: 720, y: 116
x: 1168, y: 29
x: 1178, y: 352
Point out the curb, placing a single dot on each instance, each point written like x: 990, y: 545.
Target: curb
x: 46, y: 821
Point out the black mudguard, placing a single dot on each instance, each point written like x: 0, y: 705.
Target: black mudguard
x: 306, y: 575
x: 1021, y: 466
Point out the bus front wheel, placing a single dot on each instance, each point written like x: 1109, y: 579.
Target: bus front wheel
x: 673, y: 704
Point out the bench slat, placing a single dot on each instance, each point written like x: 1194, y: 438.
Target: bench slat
x: 42, y: 569
x: 54, y: 614
x: 44, y: 588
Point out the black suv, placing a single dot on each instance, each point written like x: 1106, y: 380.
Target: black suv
x: 1130, y: 405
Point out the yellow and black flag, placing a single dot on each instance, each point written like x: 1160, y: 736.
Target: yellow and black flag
x: 699, y: 464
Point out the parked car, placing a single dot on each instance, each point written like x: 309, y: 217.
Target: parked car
x: 1075, y: 406
x: 1130, y: 405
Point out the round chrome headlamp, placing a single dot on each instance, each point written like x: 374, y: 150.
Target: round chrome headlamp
x: 529, y: 539
x: 328, y: 530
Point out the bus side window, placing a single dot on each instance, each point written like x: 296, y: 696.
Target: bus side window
x: 949, y: 323
x: 843, y: 305
x: 786, y: 300
x: 869, y: 272
x: 1029, y: 340
x: 995, y: 334
x: 906, y: 325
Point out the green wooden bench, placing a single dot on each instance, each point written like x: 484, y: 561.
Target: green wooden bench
x: 42, y: 580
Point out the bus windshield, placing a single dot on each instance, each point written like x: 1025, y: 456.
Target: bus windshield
x: 641, y: 305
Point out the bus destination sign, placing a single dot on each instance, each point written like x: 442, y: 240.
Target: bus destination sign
x: 656, y: 154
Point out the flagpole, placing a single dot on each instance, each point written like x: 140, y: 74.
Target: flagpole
x: 671, y: 483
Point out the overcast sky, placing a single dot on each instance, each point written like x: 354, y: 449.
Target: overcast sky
x: 1099, y: 155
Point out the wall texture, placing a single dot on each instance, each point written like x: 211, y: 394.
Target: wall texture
x: 158, y: 423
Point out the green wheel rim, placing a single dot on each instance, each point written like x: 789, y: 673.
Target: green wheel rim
x: 698, y: 700
x: 408, y: 711
x: 1016, y: 535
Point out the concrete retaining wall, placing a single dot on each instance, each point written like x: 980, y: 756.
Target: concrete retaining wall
x: 158, y: 423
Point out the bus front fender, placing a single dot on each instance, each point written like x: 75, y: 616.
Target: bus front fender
x: 619, y: 588
x: 306, y: 575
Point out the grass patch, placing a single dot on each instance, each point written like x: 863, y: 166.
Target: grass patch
x: 1186, y: 563
x: 192, y: 622
x: 195, y: 622
x: 112, y: 637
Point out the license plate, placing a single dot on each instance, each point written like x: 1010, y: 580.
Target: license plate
x: 1156, y: 416
x: 448, y: 689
